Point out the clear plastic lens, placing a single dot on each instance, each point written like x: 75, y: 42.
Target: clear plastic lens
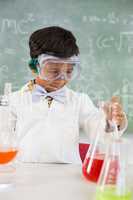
x: 59, y: 70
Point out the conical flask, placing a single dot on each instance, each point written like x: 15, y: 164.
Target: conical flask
x: 8, y: 137
x: 94, y: 159
x: 113, y: 183
x: 95, y: 156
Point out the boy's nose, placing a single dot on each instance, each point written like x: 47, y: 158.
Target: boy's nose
x: 63, y: 76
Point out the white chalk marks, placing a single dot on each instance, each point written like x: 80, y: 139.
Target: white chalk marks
x: 16, y: 26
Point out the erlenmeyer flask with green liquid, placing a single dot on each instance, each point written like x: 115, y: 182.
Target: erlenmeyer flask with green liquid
x: 113, y: 183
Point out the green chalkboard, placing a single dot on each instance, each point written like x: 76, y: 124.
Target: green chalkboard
x: 104, y: 31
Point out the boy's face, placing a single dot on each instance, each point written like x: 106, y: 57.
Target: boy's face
x: 56, y: 75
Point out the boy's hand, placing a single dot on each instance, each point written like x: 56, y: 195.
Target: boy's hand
x: 114, y: 112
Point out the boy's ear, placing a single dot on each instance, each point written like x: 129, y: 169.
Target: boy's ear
x: 34, y: 72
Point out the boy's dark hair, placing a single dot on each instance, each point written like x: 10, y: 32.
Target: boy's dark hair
x: 53, y: 40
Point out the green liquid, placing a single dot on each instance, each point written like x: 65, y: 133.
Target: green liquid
x: 110, y: 194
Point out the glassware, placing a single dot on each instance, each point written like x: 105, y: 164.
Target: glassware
x: 8, y: 138
x: 113, y: 182
x: 95, y: 155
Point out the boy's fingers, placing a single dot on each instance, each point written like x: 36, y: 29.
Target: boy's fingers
x: 107, y: 110
x: 115, y: 99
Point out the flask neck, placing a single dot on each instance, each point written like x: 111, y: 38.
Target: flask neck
x: 4, y: 99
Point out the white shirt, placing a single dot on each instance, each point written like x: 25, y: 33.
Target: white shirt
x: 52, y: 134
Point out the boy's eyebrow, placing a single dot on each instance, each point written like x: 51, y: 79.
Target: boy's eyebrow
x: 58, y: 69
x: 57, y: 65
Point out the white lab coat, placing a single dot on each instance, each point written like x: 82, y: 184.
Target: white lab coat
x: 52, y: 134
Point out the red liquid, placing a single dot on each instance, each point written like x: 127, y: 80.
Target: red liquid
x: 112, y: 172
x: 95, y: 169
x: 7, y: 156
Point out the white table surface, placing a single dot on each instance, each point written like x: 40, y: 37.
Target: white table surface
x: 49, y: 181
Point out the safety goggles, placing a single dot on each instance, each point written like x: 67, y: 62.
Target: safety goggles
x: 53, y: 68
